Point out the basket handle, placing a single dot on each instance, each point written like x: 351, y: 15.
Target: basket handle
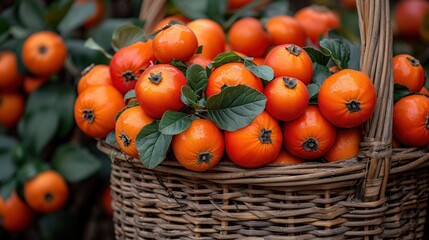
x: 376, y: 61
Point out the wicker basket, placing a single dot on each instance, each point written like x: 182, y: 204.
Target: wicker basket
x: 380, y: 194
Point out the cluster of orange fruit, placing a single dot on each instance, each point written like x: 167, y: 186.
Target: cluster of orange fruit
x: 290, y: 129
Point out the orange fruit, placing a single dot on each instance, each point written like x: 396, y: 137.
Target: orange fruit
x: 94, y: 76
x: 15, y: 215
x: 346, y: 145
x: 409, y: 16
x: 106, y: 201
x: 167, y: 20
x: 97, y: 16
x: 199, y: 59
x: 11, y: 108
x: 424, y: 91
x: 10, y: 78
x: 285, y: 29
x: 210, y: 35
x: 30, y: 84
x: 286, y: 158
x: 407, y: 71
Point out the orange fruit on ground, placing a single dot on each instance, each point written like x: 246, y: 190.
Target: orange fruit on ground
x: 106, y: 201
x: 128, y: 125
x: 167, y: 20
x: 44, y: 53
x: 95, y: 75
x: 286, y: 158
x: 248, y: 36
x: 409, y: 16
x: 30, y: 84
x: 255, y: 145
x: 284, y: 29
x: 346, y: 145
x: 200, y: 147
x: 95, y: 110
x: 97, y: 16
x: 407, y: 71
x: 411, y: 120
x: 175, y: 42
x: 47, y: 192
x: 10, y: 78
x: 231, y: 74
x: 210, y: 35
x: 15, y: 215
x: 11, y: 108
x: 289, y: 60
x: 309, y: 136
x: 347, y: 98
x: 199, y: 59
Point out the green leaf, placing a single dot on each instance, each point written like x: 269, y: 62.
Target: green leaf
x: 192, y: 9
x: 7, y: 164
x: 224, y: 58
x: 111, y: 137
x: 320, y: 73
x: 8, y: 188
x: 56, y: 11
x: 30, y: 170
x: 102, y: 33
x: 91, y: 44
x: 199, y: 49
x: 190, y: 98
x: 82, y: 56
x: 76, y: 16
x: 197, y: 78
x: 339, y: 51
x: 7, y: 143
x: 216, y: 9
x: 264, y: 72
x: 152, y: 145
x: 129, y: 95
x: 317, y: 56
x: 235, y: 107
x: 126, y: 35
x: 400, y: 91
x: 276, y: 8
x: 173, y: 123
x: 30, y: 14
x: 313, y: 91
x: 59, y: 225
x: 182, y: 66
x: 74, y: 162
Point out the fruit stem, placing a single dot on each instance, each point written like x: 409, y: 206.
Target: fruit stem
x: 88, y: 115
x: 204, y: 157
x: 293, y: 49
x: 129, y: 76
x: 414, y: 62
x: 87, y: 69
x: 353, y: 106
x: 289, y: 82
x: 155, y: 78
x: 223, y: 87
x: 265, y: 136
x: 125, y: 139
x: 42, y: 49
x: 49, y: 197
x: 310, y: 145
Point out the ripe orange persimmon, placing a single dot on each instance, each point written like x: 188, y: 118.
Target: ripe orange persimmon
x: 409, y: 16
x: 210, y: 35
x: 95, y: 75
x: 10, y: 78
x: 30, y: 84
x: 284, y: 29
x: 407, y: 71
x: 286, y: 158
x: 11, y: 108
x: 346, y: 145
x: 15, y: 215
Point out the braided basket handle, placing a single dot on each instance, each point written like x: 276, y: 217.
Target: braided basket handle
x: 376, y: 61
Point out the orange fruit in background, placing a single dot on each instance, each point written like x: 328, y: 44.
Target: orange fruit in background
x: 284, y: 29
x: 289, y: 60
x: 30, y: 84
x: 286, y: 158
x: 15, y: 215
x: 159, y: 89
x: 248, y: 36
x: 258, y: 61
x: 407, y: 71
x: 411, y: 120
x: 95, y: 110
x: 128, y: 125
x: 409, y: 15
x: 167, y: 20
x: 10, y: 78
x: 11, y: 108
x: 424, y: 91
x: 287, y: 98
x: 44, y: 53
x: 175, y: 42
x: 129, y: 63
x: 232, y: 74
x: 97, y: 16
x: 106, y: 201
x: 349, y: 4
x: 236, y: 4
x: 95, y: 75
x: 309, y: 136
x: 255, y: 145
x: 47, y: 192
x: 200, y: 147
x: 347, y: 145
x: 347, y: 98
x: 198, y: 59
x: 210, y: 35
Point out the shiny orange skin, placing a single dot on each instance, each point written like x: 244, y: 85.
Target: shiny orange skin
x: 198, y: 59
x: 246, y: 149
x: 285, y: 158
x: 30, y: 84
x: 409, y: 16
x: 308, y: 127
x: 284, y: 29
x: 210, y: 35
x: 259, y: 61
x: 346, y: 145
x: 47, y: 192
x: 10, y: 78
x: 104, y: 102
x: 232, y: 74
x: 411, y: 120
x: 128, y: 125
x: 11, y: 108
x: 202, y: 137
x: 424, y: 91
x: 44, y: 53
x: 106, y: 200
x: 156, y: 98
x: 129, y: 63
x: 167, y: 20
x: 175, y: 42
x: 248, y: 36
x: 95, y: 76
x: 290, y: 60
x: 16, y: 216
x: 407, y: 71
x: 347, y: 87
x: 97, y: 16
x: 287, y: 98
x: 316, y: 21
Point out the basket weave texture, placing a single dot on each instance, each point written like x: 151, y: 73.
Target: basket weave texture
x: 381, y: 194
